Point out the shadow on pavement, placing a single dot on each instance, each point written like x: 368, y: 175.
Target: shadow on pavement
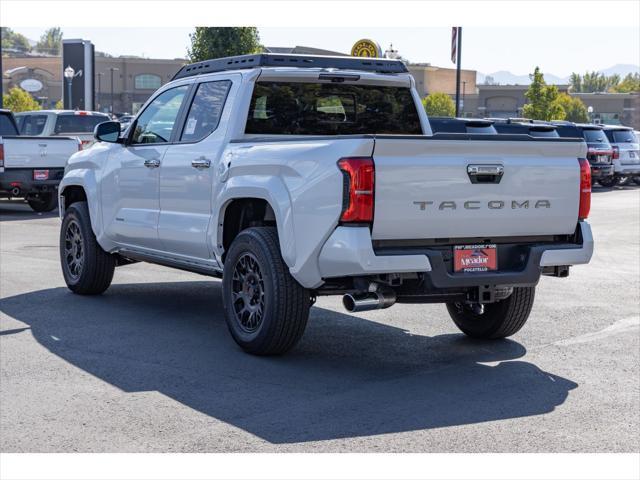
x: 348, y: 377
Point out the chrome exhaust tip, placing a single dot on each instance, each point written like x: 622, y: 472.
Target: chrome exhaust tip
x: 368, y: 301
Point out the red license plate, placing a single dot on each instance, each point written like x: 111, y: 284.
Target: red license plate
x: 475, y: 258
x: 41, y: 174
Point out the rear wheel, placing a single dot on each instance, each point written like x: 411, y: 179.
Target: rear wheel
x: 86, y: 267
x: 266, y: 310
x: 44, y: 202
x: 608, y: 182
x: 495, y: 320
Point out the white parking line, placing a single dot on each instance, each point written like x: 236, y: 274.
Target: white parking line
x: 628, y: 324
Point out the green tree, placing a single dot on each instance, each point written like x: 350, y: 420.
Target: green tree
x: 216, y: 42
x: 13, y: 40
x: 439, y: 105
x: 576, y: 82
x: 59, y: 105
x: 50, y: 41
x: 574, y: 109
x: 17, y: 100
x: 542, y: 99
x: 630, y: 83
x: 593, y: 82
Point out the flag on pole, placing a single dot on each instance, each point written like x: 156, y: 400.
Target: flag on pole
x: 454, y: 44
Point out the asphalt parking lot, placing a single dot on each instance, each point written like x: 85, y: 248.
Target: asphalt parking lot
x: 149, y: 366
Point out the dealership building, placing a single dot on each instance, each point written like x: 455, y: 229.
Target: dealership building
x: 136, y: 78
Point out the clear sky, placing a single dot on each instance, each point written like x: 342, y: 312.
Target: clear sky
x: 487, y: 49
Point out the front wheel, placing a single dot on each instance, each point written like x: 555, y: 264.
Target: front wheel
x: 45, y: 202
x: 497, y: 320
x: 86, y: 267
x: 266, y: 310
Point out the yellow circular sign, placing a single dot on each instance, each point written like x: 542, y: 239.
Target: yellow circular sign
x: 366, y: 48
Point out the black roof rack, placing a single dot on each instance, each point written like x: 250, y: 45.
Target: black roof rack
x: 368, y: 64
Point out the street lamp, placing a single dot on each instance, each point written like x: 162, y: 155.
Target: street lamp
x: 464, y: 87
x: 590, y: 112
x: 69, y: 73
x: 112, y: 69
x: 99, y: 89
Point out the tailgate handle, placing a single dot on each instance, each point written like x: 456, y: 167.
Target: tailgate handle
x: 485, y: 173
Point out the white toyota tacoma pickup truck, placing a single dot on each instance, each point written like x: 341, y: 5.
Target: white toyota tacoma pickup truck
x: 294, y: 176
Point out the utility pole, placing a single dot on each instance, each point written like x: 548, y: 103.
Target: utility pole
x: 459, y: 57
x: 112, y: 69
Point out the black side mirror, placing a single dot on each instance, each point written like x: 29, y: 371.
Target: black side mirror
x: 107, y: 132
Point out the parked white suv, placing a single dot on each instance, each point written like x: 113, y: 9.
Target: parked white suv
x: 297, y: 176
x: 626, y: 153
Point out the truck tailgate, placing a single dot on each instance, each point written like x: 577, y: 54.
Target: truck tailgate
x: 424, y: 187
x: 38, y: 152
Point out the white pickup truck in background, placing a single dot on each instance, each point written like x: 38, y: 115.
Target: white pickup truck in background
x: 67, y: 123
x: 297, y: 176
x: 32, y: 167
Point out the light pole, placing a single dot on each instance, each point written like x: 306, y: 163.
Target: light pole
x: 69, y: 73
x: 590, y: 112
x: 112, y: 69
x: 464, y: 87
x: 99, y: 89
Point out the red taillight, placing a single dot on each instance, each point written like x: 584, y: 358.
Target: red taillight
x: 1, y: 155
x: 585, y: 189
x: 79, y: 146
x: 359, y: 189
x: 616, y: 152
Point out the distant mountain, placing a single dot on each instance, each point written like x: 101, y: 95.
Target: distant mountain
x: 621, y: 69
x: 504, y: 77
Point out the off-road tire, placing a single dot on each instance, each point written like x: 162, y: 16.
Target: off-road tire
x: 44, y: 203
x: 96, y: 271
x: 285, y: 303
x: 499, y: 320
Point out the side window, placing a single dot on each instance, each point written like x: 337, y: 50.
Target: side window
x: 156, y: 123
x: 205, y: 111
x: 33, y: 124
x: 19, y: 121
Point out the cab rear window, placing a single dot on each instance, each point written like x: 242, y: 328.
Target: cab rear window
x: 6, y: 126
x: 78, y: 123
x: 289, y: 108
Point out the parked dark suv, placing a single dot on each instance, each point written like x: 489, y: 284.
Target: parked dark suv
x: 599, y: 150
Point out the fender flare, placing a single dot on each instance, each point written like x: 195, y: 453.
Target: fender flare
x: 276, y: 194
x: 85, y: 178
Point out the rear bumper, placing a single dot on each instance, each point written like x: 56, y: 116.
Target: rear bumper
x: 598, y: 171
x: 627, y: 169
x: 22, y: 179
x: 349, y: 252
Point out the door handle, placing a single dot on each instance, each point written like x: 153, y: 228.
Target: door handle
x: 485, y: 173
x: 201, y: 163
x: 152, y: 163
